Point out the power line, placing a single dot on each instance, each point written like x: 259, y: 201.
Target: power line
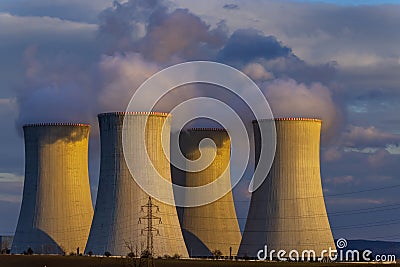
x: 364, y: 191
x: 367, y: 225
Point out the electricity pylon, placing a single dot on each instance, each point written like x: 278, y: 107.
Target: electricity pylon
x: 150, y: 229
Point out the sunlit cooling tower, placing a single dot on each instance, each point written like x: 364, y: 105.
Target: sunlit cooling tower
x: 56, y: 211
x: 288, y: 210
x: 116, y: 228
x: 213, y: 226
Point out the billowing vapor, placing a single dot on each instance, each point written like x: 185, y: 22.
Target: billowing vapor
x: 139, y: 38
x: 54, y: 90
x: 120, y: 76
x: 291, y: 99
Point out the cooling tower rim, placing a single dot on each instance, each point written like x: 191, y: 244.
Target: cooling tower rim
x: 45, y: 124
x: 208, y: 129
x: 138, y: 113
x: 289, y: 119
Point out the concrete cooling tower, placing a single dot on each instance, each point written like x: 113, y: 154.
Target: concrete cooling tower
x: 56, y: 211
x: 213, y: 226
x: 120, y: 219
x: 288, y: 210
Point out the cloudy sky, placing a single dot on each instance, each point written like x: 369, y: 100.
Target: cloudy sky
x: 336, y: 60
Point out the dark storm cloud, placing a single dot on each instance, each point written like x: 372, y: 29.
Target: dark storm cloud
x: 246, y: 45
x: 231, y: 6
x: 296, y: 68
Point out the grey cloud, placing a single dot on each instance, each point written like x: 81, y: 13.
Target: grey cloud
x: 362, y: 40
x: 75, y: 10
x: 315, y: 30
x: 298, y: 69
x: 364, y: 137
x: 231, y: 6
x: 377, y: 108
x: 181, y: 34
x: 123, y: 24
x: 247, y: 45
x: 141, y: 26
x: 358, y: 31
x: 352, y: 49
x: 158, y: 33
x: 331, y: 154
x: 60, y: 85
x: 30, y: 27
x: 251, y: 46
x: 382, y: 76
x: 358, y: 165
x: 379, y: 158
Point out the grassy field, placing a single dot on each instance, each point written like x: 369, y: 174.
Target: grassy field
x: 80, y: 261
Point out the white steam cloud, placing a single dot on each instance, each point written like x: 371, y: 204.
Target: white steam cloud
x: 291, y: 99
x: 120, y: 77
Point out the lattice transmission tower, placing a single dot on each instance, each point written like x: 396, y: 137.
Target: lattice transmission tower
x: 150, y: 209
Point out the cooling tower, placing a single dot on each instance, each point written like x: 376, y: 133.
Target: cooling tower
x: 5, y: 243
x: 213, y: 226
x: 56, y: 211
x: 119, y: 223
x: 287, y: 212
